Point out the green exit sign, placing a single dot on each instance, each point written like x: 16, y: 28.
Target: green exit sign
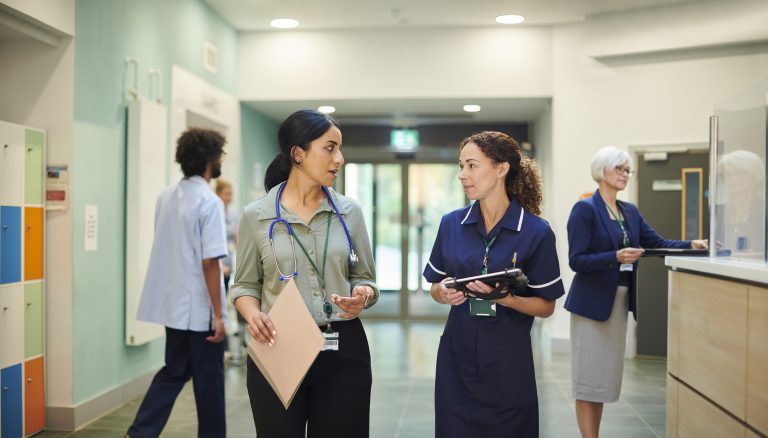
x: 404, y: 138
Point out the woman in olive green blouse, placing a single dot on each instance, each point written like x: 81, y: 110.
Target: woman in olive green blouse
x: 334, y: 271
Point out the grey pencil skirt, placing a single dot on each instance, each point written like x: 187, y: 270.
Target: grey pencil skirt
x: 597, y: 352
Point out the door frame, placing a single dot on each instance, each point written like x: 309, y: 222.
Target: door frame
x: 636, y: 151
x: 353, y: 158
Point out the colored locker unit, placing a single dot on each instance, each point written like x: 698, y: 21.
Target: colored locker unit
x: 10, y: 389
x: 22, y: 281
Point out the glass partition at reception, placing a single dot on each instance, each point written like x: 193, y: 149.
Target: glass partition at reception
x: 738, y: 147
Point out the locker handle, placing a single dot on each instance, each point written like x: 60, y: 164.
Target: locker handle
x: 29, y: 304
x: 5, y: 388
x: 29, y: 149
x: 5, y: 308
x: 29, y: 380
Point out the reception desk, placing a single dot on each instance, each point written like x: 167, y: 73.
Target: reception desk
x: 717, y: 362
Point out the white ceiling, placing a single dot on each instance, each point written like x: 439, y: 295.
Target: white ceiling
x: 412, y: 112
x: 255, y: 15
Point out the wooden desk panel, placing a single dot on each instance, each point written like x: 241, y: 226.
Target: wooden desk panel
x: 757, y: 360
x: 713, y: 340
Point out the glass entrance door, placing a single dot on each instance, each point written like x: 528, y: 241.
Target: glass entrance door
x: 402, y: 242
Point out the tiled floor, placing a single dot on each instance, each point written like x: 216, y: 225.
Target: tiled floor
x: 402, y: 406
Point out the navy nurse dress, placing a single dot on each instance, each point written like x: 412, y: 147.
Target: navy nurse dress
x: 485, y: 385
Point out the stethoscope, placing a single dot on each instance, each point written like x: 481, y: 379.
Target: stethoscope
x: 279, y: 219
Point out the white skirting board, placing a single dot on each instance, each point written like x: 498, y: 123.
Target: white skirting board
x: 146, y: 178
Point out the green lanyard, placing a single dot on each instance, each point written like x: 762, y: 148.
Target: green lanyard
x: 488, y: 245
x: 625, y: 240
x: 327, y: 308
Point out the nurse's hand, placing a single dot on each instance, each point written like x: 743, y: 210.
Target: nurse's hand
x: 443, y: 295
x: 352, y: 306
x: 478, y: 288
x: 260, y: 327
x: 219, y: 332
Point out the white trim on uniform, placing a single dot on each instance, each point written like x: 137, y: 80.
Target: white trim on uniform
x: 539, y: 286
x: 465, y: 217
x: 520, y: 222
x: 435, y: 269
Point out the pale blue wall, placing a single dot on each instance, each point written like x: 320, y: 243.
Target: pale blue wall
x: 259, y: 144
x: 158, y: 34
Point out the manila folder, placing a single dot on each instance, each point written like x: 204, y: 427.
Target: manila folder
x: 297, y: 344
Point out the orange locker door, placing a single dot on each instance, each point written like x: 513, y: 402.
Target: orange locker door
x: 33, y: 243
x: 34, y: 396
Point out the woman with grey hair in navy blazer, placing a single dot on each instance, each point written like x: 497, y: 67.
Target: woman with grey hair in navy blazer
x: 606, y: 238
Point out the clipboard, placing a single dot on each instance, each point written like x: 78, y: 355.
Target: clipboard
x: 663, y: 252
x: 297, y: 344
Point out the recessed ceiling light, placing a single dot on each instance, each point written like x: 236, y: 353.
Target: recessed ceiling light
x: 472, y: 108
x: 327, y: 109
x: 510, y: 19
x: 284, y: 23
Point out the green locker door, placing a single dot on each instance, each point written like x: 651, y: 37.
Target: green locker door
x: 33, y: 167
x: 33, y: 319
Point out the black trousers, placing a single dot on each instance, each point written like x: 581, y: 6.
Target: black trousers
x: 334, y: 400
x: 187, y: 354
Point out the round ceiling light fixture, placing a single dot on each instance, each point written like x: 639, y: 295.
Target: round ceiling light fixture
x: 472, y: 108
x: 326, y: 109
x: 284, y: 23
x: 510, y: 19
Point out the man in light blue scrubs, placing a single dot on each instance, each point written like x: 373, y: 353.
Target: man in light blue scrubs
x: 183, y: 290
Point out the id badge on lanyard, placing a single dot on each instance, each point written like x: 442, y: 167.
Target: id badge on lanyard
x: 331, y: 341
x: 480, y: 307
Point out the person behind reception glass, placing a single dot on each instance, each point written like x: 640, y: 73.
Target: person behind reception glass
x: 333, y: 270
x: 740, y: 217
x: 606, y: 238
x: 485, y: 385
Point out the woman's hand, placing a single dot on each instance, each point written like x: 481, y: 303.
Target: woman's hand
x: 629, y: 255
x: 260, y: 327
x: 352, y: 306
x: 479, y: 287
x: 443, y: 295
x: 699, y: 244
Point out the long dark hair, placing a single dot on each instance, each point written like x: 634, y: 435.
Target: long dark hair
x: 523, y: 180
x: 299, y: 129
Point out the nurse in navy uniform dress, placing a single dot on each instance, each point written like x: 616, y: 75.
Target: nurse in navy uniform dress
x: 485, y: 382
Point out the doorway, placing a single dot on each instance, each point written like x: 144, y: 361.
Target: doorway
x: 659, y: 189
x: 403, y: 203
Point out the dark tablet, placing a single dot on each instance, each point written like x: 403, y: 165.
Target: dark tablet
x: 663, y: 252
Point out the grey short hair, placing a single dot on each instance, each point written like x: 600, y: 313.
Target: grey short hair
x: 608, y: 158
x: 745, y: 162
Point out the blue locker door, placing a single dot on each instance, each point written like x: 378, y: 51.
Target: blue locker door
x: 10, y: 244
x: 10, y: 387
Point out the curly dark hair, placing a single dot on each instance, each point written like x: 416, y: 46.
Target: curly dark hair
x: 523, y: 180
x: 196, y: 148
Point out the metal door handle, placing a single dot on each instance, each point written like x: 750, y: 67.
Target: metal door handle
x: 5, y: 388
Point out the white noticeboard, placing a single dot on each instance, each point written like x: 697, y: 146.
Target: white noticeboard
x: 147, y: 163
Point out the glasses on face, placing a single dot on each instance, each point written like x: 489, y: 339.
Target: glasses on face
x: 621, y: 170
